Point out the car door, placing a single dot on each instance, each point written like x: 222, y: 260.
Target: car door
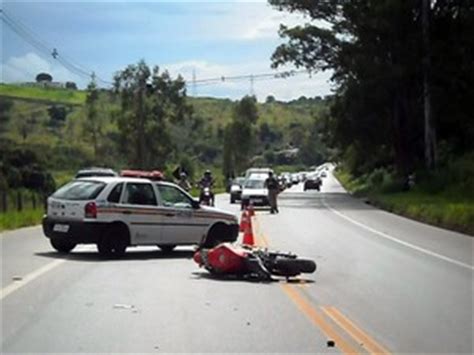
x: 140, y: 209
x: 180, y: 225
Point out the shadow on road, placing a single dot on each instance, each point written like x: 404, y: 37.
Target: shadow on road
x: 242, y: 278
x: 90, y: 256
x: 314, y: 199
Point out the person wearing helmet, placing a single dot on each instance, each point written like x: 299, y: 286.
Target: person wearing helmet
x: 206, y: 182
x: 183, y: 181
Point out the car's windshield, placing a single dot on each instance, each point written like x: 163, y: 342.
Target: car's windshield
x: 80, y: 190
x: 254, y: 184
x: 238, y: 181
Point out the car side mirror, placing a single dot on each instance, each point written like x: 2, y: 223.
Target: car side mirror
x: 195, y: 204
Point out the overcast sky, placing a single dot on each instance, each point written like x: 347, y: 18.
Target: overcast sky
x: 213, y: 39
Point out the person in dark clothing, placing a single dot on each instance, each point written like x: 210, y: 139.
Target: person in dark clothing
x: 273, y: 190
x: 206, y: 181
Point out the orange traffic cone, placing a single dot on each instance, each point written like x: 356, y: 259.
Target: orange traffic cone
x: 244, y: 220
x: 248, y: 234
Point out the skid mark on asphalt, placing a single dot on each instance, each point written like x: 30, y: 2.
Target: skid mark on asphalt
x: 393, y: 239
x: 328, y: 319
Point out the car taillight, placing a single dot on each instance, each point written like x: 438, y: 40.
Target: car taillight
x: 91, y: 210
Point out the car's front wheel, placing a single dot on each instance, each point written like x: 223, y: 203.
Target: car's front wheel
x: 62, y: 245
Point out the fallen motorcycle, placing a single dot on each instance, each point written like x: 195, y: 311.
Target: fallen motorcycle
x: 252, y: 262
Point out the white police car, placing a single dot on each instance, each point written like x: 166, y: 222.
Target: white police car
x: 117, y: 212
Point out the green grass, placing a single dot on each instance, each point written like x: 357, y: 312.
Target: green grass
x: 442, y: 210
x: 15, y: 219
x: 450, y: 208
x: 64, y: 96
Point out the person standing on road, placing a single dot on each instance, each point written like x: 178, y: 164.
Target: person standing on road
x: 273, y: 187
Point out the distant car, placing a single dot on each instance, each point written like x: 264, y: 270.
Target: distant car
x: 118, y: 212
x: 323, y: 174
x: 236, y: 189
x: 295, y: 179
x: 255, y: 193
x: 312, y: 182
x: 258, y: 171
x: 93, y: 171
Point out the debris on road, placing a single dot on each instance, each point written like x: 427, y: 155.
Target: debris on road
x: 331, y: 343
x: 123, y: 306
x: 17, y: 278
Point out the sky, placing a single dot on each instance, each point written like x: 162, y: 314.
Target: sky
x: 212, y: 39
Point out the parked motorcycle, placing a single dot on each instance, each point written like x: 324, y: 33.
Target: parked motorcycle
x: 206, y: 197
x: 251, y: 262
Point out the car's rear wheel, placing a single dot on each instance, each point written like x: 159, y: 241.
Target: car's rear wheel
x: 166, y: 248
x: 114, y: 242
x: 62, y: 245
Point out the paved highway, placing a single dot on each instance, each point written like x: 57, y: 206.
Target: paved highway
x: 384, y: 284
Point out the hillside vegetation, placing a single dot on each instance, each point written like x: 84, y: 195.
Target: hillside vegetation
x: 46, y: 95
x: 52, y: 125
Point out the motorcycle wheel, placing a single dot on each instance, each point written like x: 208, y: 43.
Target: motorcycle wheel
x: 292, y: 267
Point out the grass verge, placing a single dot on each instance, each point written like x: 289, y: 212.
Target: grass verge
x: 15, y: 219
x: 450, y: 208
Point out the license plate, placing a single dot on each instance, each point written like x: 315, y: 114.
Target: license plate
x: 63, y: 228
x: 257, y: 200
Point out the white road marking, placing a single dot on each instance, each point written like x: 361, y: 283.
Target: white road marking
x: 393, y: 239
x: 29, y: 278
x: 4, y: 292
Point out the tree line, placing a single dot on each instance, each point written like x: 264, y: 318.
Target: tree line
x: 403, y: 74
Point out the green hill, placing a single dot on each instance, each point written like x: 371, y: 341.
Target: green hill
x: 52, y: 123
x: 43, y: 95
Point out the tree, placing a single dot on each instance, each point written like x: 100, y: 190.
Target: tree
x: 5, y: 107
x: 44, y: 77
x: 149, y: 101
x: 240, y: 136
x: 93, y: 119
x: 376, y: 50
x: 270, y: 99
x: 71, y: 85
x: 57, y: 116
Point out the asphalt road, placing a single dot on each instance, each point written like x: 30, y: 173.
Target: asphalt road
x: 384, y: 284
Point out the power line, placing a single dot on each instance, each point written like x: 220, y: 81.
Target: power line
x: 47, y: 49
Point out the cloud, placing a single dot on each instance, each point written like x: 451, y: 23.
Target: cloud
x: 25, y: 68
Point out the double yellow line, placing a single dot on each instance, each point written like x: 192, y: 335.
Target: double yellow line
x: 329, y: 318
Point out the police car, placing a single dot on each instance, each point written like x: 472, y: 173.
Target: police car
x: 118, y: 212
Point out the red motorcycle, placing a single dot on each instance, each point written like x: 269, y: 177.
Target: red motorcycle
x: 251, y: 262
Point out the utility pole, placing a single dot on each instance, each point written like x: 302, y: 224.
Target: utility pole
x: 252, y: 92
x: 194, y: 82
x: 430, y: 134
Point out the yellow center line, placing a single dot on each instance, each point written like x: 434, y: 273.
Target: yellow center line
x: 355, y: 332
x: 307, y: 309
x: 333, y: 313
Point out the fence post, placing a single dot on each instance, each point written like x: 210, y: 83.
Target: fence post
x: 19, y: 201
x: 33, y: 199
x: 4, y: 201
